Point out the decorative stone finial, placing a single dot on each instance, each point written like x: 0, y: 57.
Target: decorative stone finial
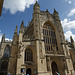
x: 47, y: 10
x: 21, y: 27
x: 15, y: 30
x: 36, y: 1
x: 71, y: 39
x: 22, y: 24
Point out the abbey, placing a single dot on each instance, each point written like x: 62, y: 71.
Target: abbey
x: 38, y: 49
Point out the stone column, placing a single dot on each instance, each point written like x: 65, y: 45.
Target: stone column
x: 49, y: 69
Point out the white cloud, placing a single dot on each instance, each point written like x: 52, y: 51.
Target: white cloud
x: 68, y: 34
x: 7, y: 39
x: 17, y: 5
x: 72, y: 12
x: 69, y: 2
x: 68, y: 24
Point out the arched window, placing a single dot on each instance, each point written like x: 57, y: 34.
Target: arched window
x: 49, y: 38
x: 28, y: 55
x: 7, y: 51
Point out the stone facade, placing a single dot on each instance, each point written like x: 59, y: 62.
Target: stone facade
x: 39, y: 49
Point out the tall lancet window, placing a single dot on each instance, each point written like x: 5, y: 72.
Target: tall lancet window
x: 49, y: 37
x: 7, y: 51
x: 28, y: 55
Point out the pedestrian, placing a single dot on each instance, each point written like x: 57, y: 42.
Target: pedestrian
x: 56, y: 73
x: 22, y: 73
x: 8, y: 73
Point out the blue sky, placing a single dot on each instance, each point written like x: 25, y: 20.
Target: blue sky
x: 14, y: 11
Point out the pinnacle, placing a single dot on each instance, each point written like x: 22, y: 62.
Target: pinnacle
x: 22, y: 24
x: 15, y: 29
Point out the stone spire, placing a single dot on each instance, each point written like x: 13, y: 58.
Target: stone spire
x: 3, y: 38
x: 21, y: 27
x: 36, y: 8
x: 16, y: 30
x: 15, y: 36
x: 55, y: 11
x: 36, y: 4
x: 56, y: 15
x: 71, y: 39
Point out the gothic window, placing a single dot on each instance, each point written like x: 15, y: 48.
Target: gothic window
x: 28, y: 55
x: 49, y: 38
x: 7, y: 51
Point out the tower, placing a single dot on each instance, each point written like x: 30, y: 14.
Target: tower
x: 13, y: 56
x: 36, y: 16
x: 21, y: 31
x: 40, y: 49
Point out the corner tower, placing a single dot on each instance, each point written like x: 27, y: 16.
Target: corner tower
x: 40, y: 49
x: 36, y: 8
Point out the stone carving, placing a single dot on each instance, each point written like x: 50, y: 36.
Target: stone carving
x: 28, y: 37
x: 48, y: 64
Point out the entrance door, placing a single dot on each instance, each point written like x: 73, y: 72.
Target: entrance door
x: 28, y: 71
x: 54, y: 67
x: 4, y: 68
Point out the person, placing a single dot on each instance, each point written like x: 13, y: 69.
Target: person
x: 56, y: 73
x: 22, y: 73
x: 8, y: 73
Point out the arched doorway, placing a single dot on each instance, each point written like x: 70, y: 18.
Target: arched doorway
x: 54, y: 67
x: 4, y: 67
x: 28, y: 71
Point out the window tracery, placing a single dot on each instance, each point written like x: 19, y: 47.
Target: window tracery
x: 7, y: 51
x: 28, y: 55
x: 49, y: 37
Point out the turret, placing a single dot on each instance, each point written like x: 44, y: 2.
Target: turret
x: 36, y: 8
x: 21, y: 31
x: 56, y: 15
x: 21, y: 27
x: 13, y: 55
x: 72, y: 42
x: 36, y: 18
x: 15, y: 33
x: 15, y: 37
